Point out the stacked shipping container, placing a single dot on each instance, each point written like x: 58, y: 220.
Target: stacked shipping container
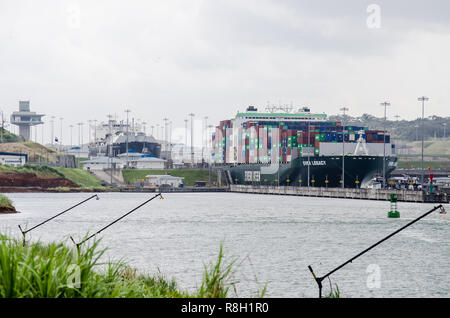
x: 271, y: 141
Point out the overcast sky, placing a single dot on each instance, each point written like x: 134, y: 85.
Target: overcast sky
x: 81, y: 60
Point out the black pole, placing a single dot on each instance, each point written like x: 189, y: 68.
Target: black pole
x: 320, y: 279
x: 74, y: 206
x: 115, y: 221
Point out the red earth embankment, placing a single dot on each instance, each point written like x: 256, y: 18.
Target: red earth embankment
x: 7, y: 209
x: 26, y: 180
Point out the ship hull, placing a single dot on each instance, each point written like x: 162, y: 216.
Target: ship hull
x: 323, y: 171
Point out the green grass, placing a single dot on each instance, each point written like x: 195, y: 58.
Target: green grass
x: 5, y: 201
x: 37, y: 147
x: 80, y: 177
x: 57, y: 271
x: 333, y: 293
x: 432, y: 147
x: 190, y: 175
x: 40, y: 171
x: 215, y: 284
x: 435, y: 165
x: 8, y: 136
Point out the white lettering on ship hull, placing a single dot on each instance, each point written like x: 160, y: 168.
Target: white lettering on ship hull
x: 252, y: 176
x: 315, y: 163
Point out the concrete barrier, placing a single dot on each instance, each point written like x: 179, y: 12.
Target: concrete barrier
x: 362, y: 194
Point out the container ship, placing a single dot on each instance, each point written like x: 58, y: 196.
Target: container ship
x: 300, y: 148
x: 112, y: 137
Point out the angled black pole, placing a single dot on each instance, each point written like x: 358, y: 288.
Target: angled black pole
x: 115, y: 221
x: 320, y: 279
x: 74, y: 206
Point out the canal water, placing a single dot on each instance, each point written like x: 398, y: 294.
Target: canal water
x: 272, y: 238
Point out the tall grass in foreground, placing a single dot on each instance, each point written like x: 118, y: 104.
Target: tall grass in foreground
x: 54, y: 270
x: 334, y: 293
x: 5, y: 201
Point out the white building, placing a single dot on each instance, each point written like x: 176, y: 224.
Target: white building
x: 136, y: 160
x: 164, y: 180
x: 101, y: 163
x: 13, y: 159
x: 78, y: 152
x: 148, y: 163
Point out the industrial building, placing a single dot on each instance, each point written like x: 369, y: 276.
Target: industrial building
x: 101, y: 163
x: 165, y: 180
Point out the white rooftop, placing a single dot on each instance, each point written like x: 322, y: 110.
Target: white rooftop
x: 163, y: 176
x: 102, y: 160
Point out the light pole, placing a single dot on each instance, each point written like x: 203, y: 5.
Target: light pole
x: 82, y: 136
x: 166, y: 137
x: 79, y: 134
x: 71, y: 144
x: 343, y: 109
x: 170, y: 143
x: 60, y: 136
x: 185, y: 137
x: 192, y: 137
x: 42, y: 137
x: 126, y: 142
x: 89, y: 131
x: 422, y: 99
x: 208, y: 137
x: 53, y: 136
x: 385, y: 104
x: 209, y: 146
x: 95, y: 131
x: 309, y: 149
x: 204, y: 137
x: 111, y: 150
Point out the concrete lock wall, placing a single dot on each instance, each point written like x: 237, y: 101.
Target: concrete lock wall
x: 365, y: 194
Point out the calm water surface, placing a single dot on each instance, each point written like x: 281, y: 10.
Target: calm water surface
x: 274, y: 239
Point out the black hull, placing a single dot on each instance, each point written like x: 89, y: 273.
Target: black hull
x: 323, y: 171
x: 147, y: 148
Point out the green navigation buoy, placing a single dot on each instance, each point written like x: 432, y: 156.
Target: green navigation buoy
x: 393, y: 213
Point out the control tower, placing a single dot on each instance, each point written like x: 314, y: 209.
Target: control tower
x: 24, y: 118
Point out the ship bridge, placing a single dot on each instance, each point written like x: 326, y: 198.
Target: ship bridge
x: 279, y: 114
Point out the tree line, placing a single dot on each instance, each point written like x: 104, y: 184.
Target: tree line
x: 408, y: 130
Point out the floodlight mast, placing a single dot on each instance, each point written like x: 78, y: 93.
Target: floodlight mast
x: 343, y: 109
x: 385, y: 104
x: 423, y: 99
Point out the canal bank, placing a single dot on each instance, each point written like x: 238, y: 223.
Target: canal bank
x: 362, y: 194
